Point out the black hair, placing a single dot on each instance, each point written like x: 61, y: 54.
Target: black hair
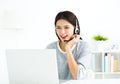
x: 70, y: 17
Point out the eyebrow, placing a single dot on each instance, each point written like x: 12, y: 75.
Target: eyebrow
x: 64, y: 25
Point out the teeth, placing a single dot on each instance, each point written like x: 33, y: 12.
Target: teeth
x: 63, y: 36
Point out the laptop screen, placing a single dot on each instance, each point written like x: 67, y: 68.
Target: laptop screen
x: 32, y: 66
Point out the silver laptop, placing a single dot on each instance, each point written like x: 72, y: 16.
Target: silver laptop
x: 32, y: 66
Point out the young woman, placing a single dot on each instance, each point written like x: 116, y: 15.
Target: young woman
x: 73, y: 54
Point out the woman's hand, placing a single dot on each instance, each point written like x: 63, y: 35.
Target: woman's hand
x: 73, y: 66
x: 72, y: 42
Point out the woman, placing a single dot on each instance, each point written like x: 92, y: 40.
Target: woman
x: 73, y: 54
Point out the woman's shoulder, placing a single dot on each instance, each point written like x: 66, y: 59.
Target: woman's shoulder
x: 52, y: 45
x: 83, y: 46
x: 83, y: 43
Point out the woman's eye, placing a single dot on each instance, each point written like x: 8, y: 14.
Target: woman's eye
x: 57, y: 27
x: 66, y: 27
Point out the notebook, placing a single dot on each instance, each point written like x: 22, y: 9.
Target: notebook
x: 32, y: 66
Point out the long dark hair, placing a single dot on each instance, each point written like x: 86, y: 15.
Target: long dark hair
x: 68, y: 16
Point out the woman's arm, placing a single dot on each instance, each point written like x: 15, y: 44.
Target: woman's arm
x: 73, y: 66
x: 78, y: 67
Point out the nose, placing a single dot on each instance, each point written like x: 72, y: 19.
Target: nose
x: 62, y: 31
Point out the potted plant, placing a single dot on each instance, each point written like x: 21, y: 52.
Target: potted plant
x: 100, y: 41
x: 100, y: 38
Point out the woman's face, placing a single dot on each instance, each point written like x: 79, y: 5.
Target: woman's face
x: 64, y: 29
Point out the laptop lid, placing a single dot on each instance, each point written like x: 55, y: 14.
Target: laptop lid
x: 32, y: 66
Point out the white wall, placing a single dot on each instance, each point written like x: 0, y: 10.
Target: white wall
x: 34, y: 20
x: 31, y: 22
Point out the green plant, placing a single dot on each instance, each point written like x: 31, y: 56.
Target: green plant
x: 100, y: 38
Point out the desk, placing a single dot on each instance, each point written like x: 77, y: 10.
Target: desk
x: 92, y: 81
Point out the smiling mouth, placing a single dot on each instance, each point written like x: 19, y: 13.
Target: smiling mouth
x: 64, y: 37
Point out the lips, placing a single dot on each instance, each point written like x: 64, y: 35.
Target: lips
x: 64, y: 36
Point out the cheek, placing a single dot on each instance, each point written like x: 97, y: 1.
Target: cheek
x: 71, y: 32
x: 57, y: 32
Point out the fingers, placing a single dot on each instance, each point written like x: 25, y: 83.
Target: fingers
x: 77, y: 37
x: 73, y: 39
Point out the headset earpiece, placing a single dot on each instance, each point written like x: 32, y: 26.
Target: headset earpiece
x: 76, y: 29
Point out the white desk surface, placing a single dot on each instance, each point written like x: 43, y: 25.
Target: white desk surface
x: 93, y: 81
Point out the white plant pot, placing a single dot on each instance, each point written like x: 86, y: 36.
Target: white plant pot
x: 100, y: 45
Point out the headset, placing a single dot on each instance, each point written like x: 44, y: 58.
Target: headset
x: 76, y: 31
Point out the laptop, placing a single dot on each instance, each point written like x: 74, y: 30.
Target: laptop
x: 32, y: 66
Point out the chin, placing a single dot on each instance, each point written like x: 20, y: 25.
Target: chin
x: 62, y: 40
